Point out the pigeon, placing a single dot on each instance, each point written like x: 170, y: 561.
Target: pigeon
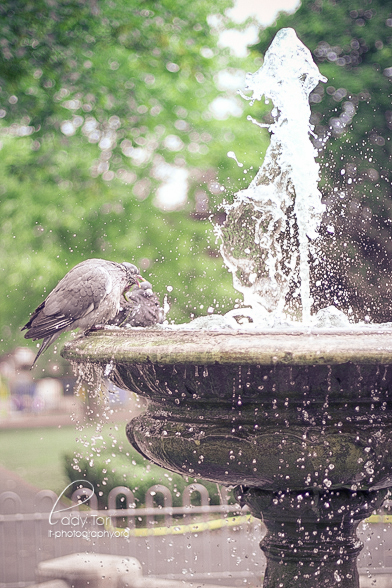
x: 142, y: 308
x: 88, y: 296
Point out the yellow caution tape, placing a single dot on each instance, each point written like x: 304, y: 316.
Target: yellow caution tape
x: 198, y: 527
x: 202, y: 526
x: 379, y: 519
x: 212, y: 525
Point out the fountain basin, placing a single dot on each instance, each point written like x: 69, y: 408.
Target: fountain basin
x: 299, y: 421
x: 229, y: 407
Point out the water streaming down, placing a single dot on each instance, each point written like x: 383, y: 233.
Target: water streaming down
x: 265, y: 238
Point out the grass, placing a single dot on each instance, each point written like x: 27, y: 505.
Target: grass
x: 36, y: 455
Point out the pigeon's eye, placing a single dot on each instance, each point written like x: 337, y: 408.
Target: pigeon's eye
x: 130, y: 267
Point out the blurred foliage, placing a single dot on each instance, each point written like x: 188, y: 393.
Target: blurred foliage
x: 116, y: 120
x: 351, y: 42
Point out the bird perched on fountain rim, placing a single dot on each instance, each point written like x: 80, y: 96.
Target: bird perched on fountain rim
x: 141, y: 308
x: 88, y: 296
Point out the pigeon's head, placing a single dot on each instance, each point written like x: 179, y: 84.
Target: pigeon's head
x: 133, y: 276
x: 146, y: 285
x: 143, y: 289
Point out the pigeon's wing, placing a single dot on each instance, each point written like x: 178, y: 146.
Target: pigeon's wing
x: 80, y: 292
x: 42, y: 326
x: 33, y: 316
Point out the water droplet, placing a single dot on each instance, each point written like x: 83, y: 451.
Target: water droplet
x: 233, y: 156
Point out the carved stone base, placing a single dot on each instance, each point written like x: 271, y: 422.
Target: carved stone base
x: 311, y: 539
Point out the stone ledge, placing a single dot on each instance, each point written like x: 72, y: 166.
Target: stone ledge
x: 51, y: 584
x: 314, y: 347
x: 93, y: 570
x: 89, y: 570
x: 375, y: 581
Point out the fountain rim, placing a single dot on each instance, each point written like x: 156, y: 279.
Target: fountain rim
x: 305, y: 346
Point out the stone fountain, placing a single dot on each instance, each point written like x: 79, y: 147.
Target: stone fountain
x: 298, y: 419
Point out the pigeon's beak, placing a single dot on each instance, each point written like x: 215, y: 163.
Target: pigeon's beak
x: 137, y: 281
x: 141, y: 279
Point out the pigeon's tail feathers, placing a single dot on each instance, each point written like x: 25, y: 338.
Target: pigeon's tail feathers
x: 44, y: 345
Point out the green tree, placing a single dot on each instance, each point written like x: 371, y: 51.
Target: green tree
x: 102, y: 104
x: 351, y: 41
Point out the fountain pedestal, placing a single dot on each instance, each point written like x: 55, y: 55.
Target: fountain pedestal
x: 311, y: 536
x: 300, y: 423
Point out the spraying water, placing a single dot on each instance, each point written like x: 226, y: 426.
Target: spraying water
x: 265, y: 238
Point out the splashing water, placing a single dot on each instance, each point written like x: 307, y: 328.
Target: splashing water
x: 233, y: 156
x: 265, y: 238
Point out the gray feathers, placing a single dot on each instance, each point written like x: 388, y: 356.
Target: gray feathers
x: 142, y: 308
x: 88, y: 295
